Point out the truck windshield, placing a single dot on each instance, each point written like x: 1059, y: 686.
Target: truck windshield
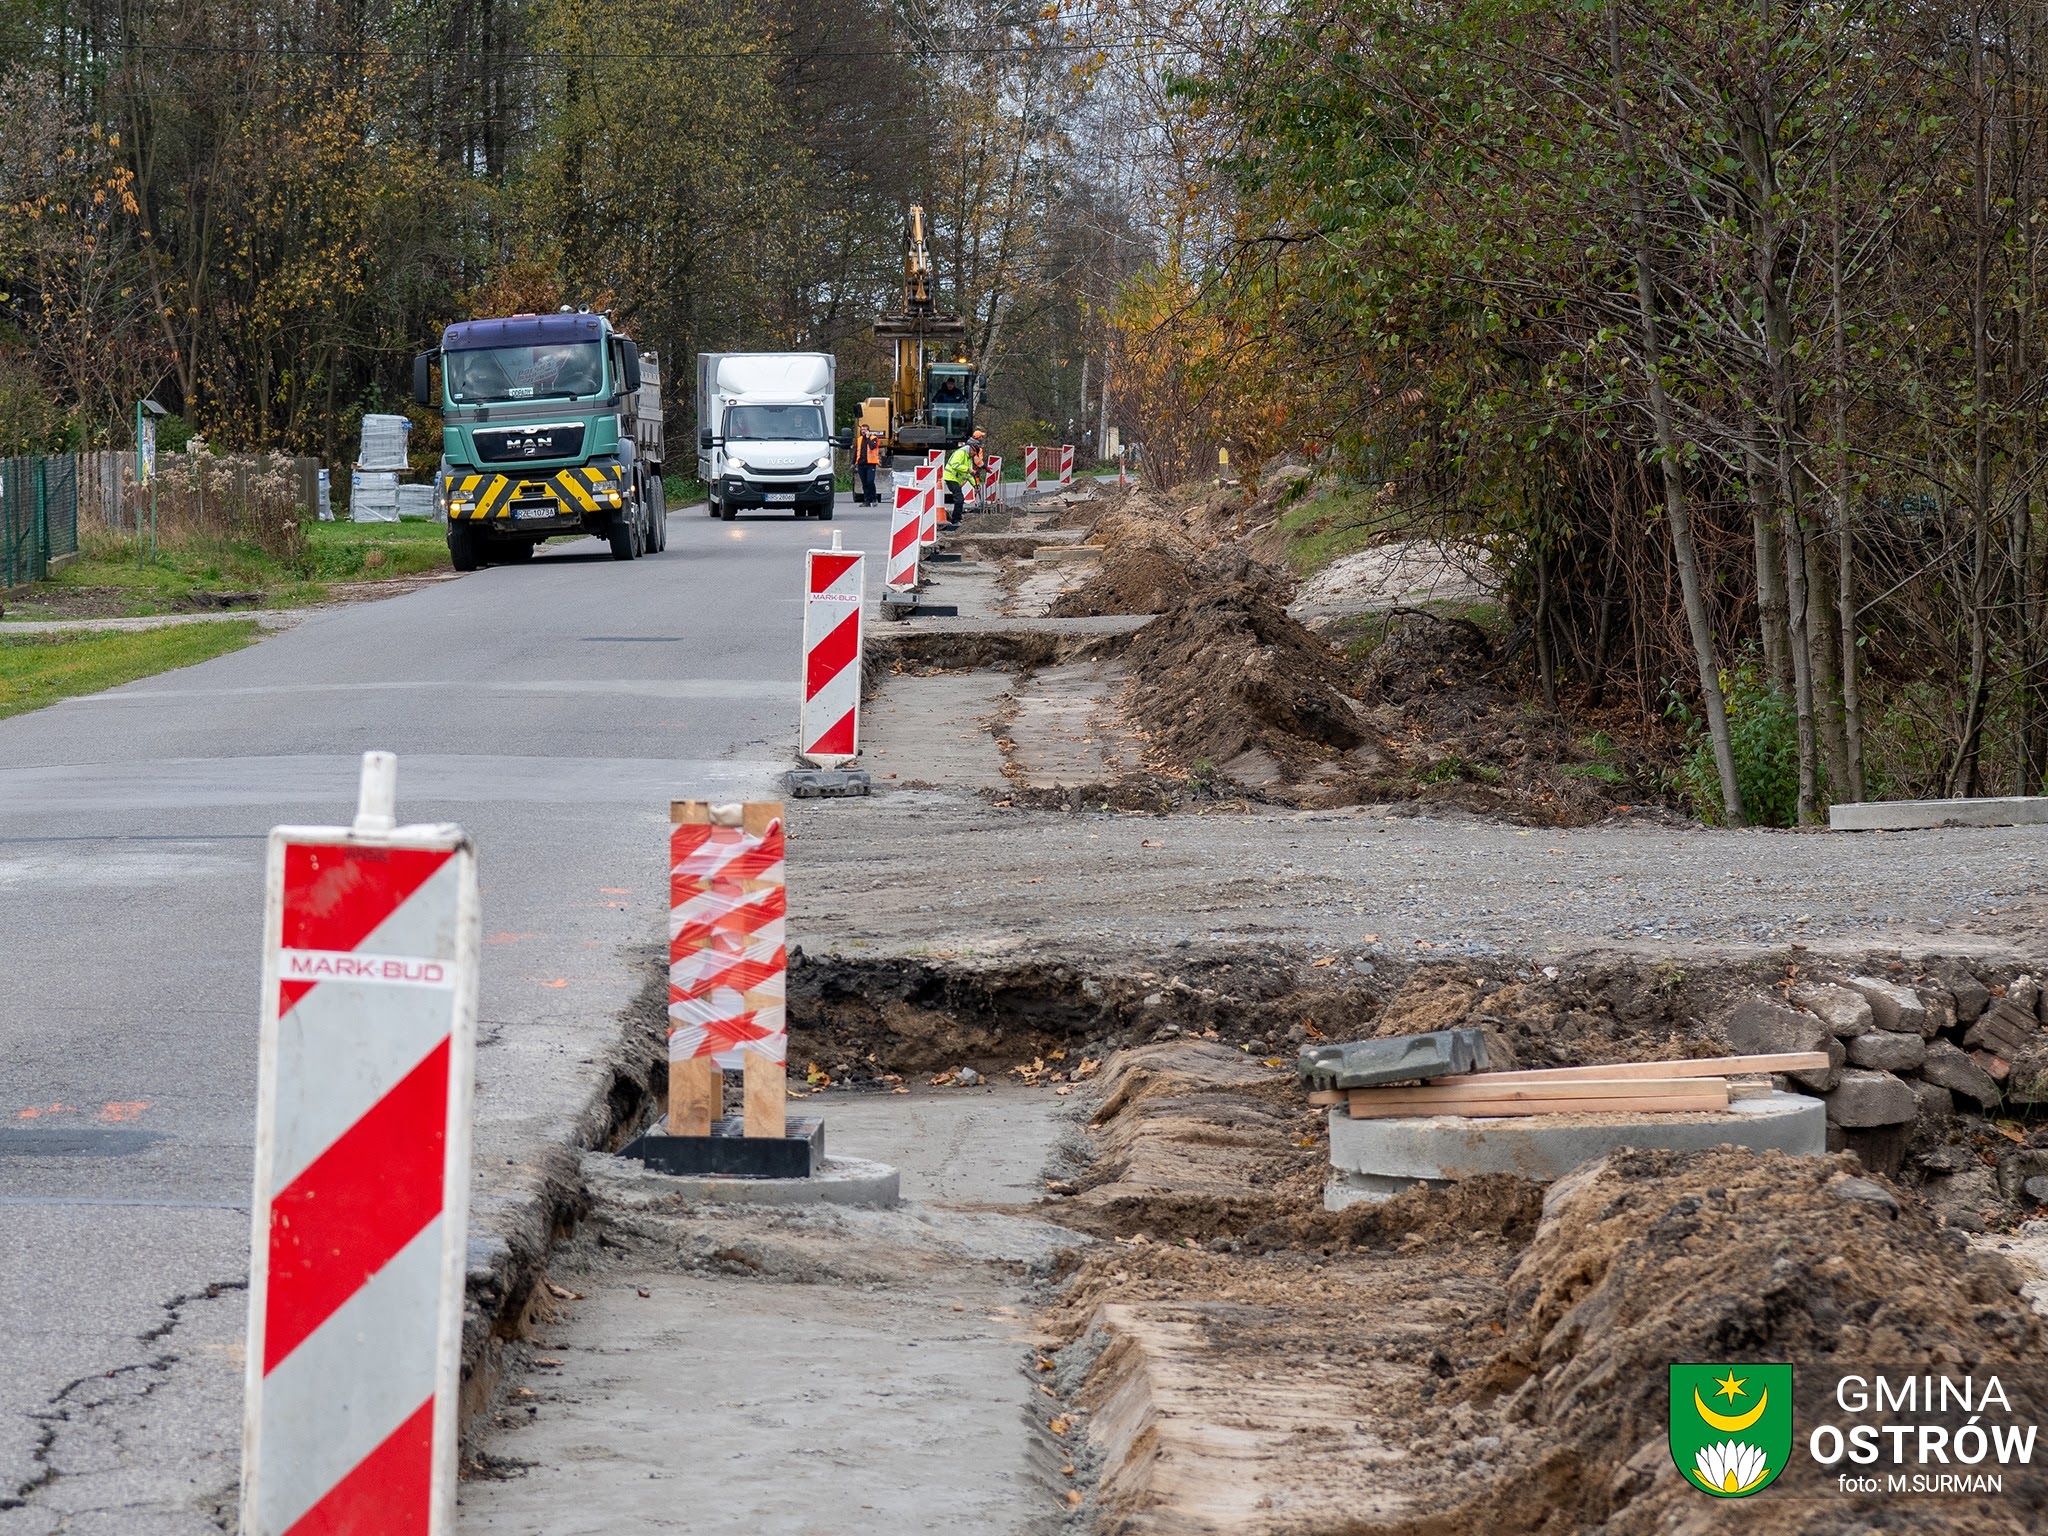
x: 557, y: 371
x: 762, y: 423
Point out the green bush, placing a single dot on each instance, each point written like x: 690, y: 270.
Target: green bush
x: 1763, y: 732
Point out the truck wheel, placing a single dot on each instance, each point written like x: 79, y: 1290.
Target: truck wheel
x: 711, y: 506
x: 823, y: 512
x: 621, y: 538
x: 464, y: 552
x: 657, y: 515
x: 728, y: 511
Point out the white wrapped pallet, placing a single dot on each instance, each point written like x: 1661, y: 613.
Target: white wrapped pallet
x: 384, y: 443
x: 373, y: 496
x: 418, y: 501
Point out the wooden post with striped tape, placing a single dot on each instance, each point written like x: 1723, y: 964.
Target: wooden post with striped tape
x: 360, y: 1213
x: 727, y: 964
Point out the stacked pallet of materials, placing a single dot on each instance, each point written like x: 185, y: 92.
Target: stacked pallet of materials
x: 1449, y: 1077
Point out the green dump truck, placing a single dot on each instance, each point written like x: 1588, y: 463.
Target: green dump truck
x: 550, y: 426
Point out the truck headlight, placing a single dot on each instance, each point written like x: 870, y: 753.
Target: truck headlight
x: 734, y: 461
x: 824, y: 461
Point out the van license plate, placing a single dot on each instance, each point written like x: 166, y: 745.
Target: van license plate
x: 783, y: 499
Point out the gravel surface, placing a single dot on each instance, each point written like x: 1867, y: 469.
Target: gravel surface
x: 944, y: 872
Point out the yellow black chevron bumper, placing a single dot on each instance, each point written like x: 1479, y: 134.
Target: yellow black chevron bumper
x: 573, y: 495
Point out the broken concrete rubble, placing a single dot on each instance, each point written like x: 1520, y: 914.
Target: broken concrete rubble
x: 1954, y: 1070
x: 1883, y: 1051
x: 1845, y: 1011
x: 1758, y: 1026
x: 1865, y: 1098
x: 1893, y: 1006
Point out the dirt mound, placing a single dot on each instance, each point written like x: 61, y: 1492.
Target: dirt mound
x: 1231, y: 688
x: 1155, y: 555
x: 1647, y: 1258
x: 1194, y: 1141
x: 1132, y: 578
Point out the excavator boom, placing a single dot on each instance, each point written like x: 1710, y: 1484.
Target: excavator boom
x: 914, y: 426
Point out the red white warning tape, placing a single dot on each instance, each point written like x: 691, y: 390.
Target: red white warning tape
x: 359, y: 1237
x: 1030, y: 469
x: 1067, y: 464
x: 828, y: 730
x: 906, y: 524
x: 727, y: 961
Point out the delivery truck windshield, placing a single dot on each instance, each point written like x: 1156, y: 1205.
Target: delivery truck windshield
x: 773, y: 423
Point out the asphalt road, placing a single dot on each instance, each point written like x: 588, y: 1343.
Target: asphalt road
x: 552, y: 709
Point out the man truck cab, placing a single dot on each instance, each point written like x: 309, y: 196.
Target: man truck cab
x: 550, y: 425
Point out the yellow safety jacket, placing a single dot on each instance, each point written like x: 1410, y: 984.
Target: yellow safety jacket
x: 960, y: 468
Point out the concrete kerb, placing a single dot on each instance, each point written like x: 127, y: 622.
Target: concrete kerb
x: 1915, y: 815
x: 838, y: 1181
x: 513, y: 1233
x: 1377, y: 1159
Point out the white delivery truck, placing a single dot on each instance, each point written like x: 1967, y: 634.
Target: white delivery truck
x: 764, y: 431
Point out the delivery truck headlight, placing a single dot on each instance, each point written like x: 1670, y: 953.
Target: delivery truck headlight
x: 734, y: 461
x: 824, y: 461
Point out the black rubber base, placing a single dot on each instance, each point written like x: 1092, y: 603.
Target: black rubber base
x: 813, y: 783
x: 726, y: 1151
x: 942, y: 559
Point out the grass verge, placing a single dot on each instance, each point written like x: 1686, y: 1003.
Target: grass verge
x: 115, y: 578
x: 41, y: 669
x: 1320, y: 532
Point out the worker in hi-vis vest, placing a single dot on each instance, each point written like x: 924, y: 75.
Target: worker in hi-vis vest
x: 867, y: 458
x: 960, y: 473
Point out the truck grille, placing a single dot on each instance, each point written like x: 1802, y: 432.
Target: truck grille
x: 505, y: 445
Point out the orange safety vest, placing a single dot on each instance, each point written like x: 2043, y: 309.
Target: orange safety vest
x: 870, y: 447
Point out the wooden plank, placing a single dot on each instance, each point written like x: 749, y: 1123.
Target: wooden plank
x: 1323, y: 1098
x: 1454, y: 1091
x: 1507, y: 1108
x: 767, y: 1089
x: 1698, y: 1066
x: 696, y: 1091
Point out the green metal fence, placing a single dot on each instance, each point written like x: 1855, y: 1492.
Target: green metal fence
x: 38, y: 516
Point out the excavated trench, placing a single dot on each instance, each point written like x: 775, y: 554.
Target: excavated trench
x: 1968, y: 1143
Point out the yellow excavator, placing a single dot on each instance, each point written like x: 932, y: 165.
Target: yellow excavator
x: 932, y: 402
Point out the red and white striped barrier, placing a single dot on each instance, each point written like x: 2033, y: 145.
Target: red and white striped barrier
x: 1030, y: 470
x: 928, y: 503
x: 906, y: 523
x: 728, y: 963
x: 992, y: 481
x: 829, y: 724
x: 358, y: 1243
x: 1066, y: 464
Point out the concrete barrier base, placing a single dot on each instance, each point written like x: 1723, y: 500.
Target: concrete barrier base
x: 838, y: 1181
x: 1377, y: 1159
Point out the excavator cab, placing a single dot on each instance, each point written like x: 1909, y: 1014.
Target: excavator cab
x: 949, y: 396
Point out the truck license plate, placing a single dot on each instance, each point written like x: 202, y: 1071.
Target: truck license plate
x: 781, y: 498
x: 519, y: 512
